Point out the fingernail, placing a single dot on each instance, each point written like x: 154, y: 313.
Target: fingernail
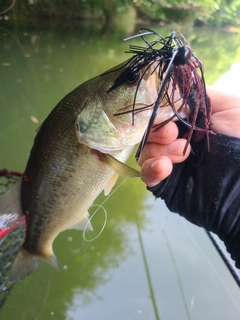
x: 155, y: 165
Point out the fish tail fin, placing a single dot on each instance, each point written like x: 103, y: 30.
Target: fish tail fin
x: 23, y: 265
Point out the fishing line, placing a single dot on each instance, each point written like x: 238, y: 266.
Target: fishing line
x: 104, y: 224
x: 226, y: 257
x: 45, y: 297
x: 148, y: 274
x: 105, y: 215
x: 177, y: 274
x: 211, y: 265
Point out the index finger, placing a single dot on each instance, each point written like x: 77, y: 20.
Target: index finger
x: 222, y: 101
x: 165, y: 135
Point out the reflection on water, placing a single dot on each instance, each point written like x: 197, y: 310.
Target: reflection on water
x: 147, y: 263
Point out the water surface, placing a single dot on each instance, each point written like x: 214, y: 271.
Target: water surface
x: 147, y: 263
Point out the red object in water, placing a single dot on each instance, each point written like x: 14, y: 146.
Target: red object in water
x: 5, y: 172
x: 6, y: 231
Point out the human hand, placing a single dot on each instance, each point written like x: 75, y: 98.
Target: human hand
x: 164, y: 149
x: 202, y: 186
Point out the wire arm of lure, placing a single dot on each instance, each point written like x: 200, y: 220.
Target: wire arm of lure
x: 139, y: 35
x: 156, y: 106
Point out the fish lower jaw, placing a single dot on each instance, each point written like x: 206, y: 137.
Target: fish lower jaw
x: 124, y: 141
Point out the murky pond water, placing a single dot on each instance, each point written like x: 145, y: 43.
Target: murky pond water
x: 147, y: 263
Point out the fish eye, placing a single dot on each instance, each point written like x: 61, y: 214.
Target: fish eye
x: 129, y: 76
x: 132, y: 78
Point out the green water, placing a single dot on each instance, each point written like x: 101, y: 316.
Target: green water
x: 147, y: 263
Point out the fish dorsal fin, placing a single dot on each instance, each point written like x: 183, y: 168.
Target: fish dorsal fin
x: 108, y: 187
x: 119, y: 167
x: 11, y: 210
x: 83, y: 224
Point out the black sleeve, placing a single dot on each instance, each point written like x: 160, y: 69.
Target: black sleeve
x: 205, y: 189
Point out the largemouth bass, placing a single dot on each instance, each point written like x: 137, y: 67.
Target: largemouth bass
x: 79, y: 150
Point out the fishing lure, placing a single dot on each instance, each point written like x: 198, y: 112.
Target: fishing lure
x: 179, y: 70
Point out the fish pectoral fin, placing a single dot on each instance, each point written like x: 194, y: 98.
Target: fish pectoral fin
x: 119, y: 167
x: 108, y: 187
x: 83, y: 224
x: 11, y: 211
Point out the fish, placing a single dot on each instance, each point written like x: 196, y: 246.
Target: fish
x: 78, y: 151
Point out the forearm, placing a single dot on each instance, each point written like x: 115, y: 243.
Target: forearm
x: 205, y: 189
